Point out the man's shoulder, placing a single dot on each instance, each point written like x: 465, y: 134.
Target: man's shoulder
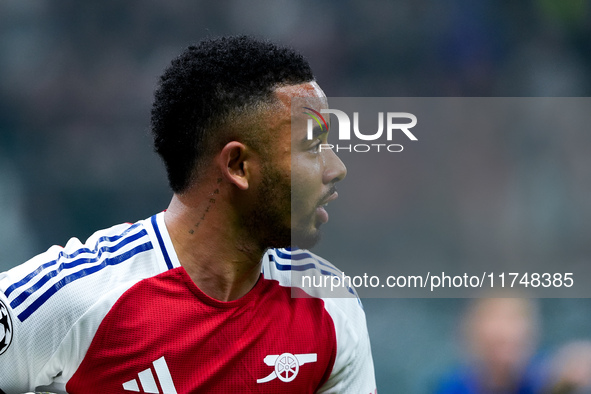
x: 316, y: 276
x: 55, y: 301
x: 294, y: 259
x: 71, y: 278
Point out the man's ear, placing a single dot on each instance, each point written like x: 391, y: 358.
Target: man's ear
x: 234, y: 163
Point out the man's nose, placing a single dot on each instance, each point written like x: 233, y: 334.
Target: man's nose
x: 334, y: 170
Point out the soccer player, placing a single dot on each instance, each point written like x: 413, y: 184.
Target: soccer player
x: 198, y: 299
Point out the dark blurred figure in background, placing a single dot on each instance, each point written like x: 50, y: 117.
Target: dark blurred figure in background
x: 500, y: 335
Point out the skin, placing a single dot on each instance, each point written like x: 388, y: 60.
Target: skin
x: 501, y: 332
x: 221, y: 226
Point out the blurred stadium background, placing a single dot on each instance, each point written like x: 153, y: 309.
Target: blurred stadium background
x: 76, y: 83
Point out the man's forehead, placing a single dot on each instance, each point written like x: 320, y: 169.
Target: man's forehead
x: 308, y: 93
x: 290, y: 107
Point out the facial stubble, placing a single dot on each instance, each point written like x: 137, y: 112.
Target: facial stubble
x: 276, y: 220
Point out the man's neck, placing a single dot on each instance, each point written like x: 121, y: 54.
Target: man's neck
x: 222, y: 261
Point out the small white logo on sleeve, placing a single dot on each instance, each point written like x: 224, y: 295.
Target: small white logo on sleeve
x: 286, y: 365
x: 148, y: 381
x: 5, y: 328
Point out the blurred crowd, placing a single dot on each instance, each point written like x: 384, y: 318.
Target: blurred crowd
x: 500, y: 354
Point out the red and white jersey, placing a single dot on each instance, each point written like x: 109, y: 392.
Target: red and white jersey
x: 119, y: 314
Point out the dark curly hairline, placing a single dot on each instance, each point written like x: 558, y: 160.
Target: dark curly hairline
x: 241, y: 124
x: 210, y: 88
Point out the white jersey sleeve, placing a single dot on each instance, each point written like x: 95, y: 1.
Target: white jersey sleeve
x: 51, y: 305
x: 353, y: 371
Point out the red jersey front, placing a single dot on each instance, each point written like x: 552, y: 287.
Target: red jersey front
x: 209, y: 346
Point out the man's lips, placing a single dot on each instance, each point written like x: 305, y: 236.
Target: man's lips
x: 333, y: 196
x: 321, y: 213
x: 330, y: 196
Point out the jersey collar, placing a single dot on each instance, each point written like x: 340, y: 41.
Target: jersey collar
x: 162, y: 242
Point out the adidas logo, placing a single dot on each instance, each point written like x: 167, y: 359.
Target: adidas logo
x: 148, y: 382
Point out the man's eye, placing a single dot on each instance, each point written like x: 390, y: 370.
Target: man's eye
x: 315, y: 147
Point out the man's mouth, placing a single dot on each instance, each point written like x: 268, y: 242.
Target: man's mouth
x: 321, y: 214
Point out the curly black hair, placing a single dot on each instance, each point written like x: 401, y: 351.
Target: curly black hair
x: 209, y: 84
